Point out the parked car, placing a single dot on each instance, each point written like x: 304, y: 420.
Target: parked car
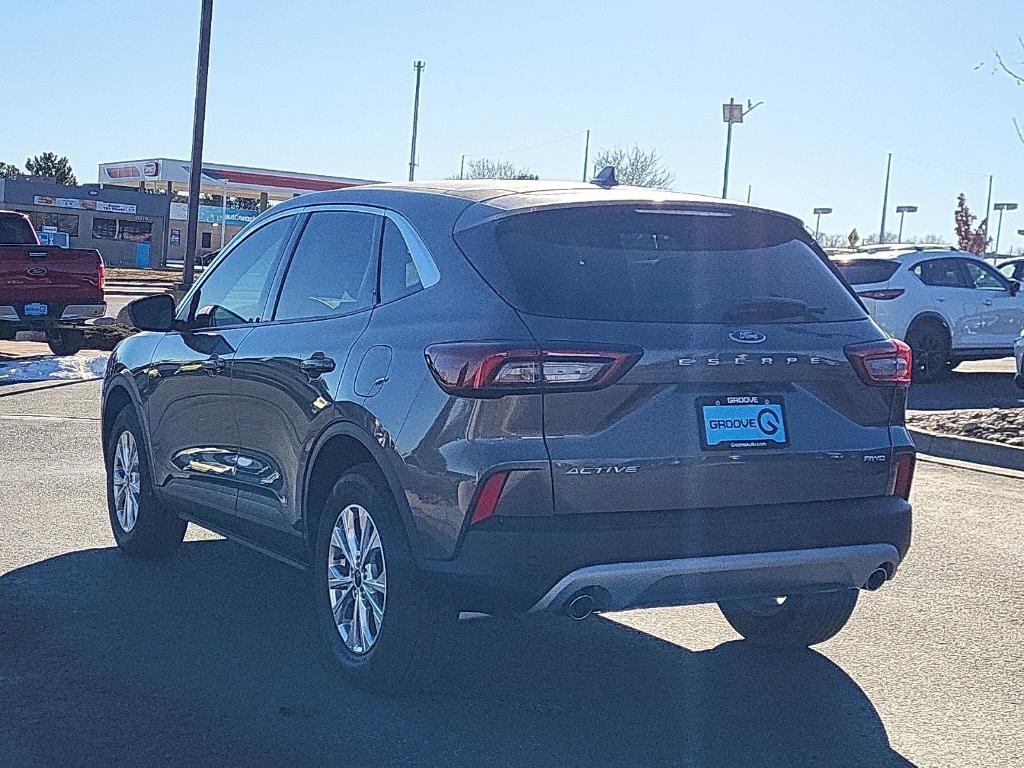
x: 948, y: 305
x: 1013, y: 269
x: 520, y: 397
x: 1018, y: 353
x: 46, y: 287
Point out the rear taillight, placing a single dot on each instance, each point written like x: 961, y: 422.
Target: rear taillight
x: 487, y: 497
x: 101, y: 276
x: 493, y: 369
x: 883, y: 294
x: 881, y: 363
x: 902, y: 475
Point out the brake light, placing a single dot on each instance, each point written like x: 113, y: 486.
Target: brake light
x: 902, y: 475
x: 493, y: 369
x: 881, y: 363
x: 487, y: 497
x: 101, y: 276
x: 883, y: 294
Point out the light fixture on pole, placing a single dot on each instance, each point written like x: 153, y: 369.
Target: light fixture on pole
x: 999, y: 228
x: 819, y: 212
x: 733, y: 113
x: 903, y: 210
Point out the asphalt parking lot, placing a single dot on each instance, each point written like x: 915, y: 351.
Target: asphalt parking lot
x: 210, y: 658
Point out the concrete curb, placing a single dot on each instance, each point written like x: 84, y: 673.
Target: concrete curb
x: 968, y: 449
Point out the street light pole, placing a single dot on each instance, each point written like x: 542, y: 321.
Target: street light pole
x: 586, y: 155
x: 999, y: 228
x: 223, y: 212
x: 885, y: 200
x: 195, y: 171
x: 819, y: 212
x: 903, y: 210
x: 418, y: 66
x: 462, y: 166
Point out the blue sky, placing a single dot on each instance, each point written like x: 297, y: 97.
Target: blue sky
x: 326, y: 87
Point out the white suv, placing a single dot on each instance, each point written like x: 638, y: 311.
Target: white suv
x: 948, y: 305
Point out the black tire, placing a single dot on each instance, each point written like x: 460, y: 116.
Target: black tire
x: 930, y: 344
x: 408, y: 649
x: 797, y: 622
x: 64, y: 341
x: 155, y: 531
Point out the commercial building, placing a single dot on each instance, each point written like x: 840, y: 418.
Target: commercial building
x: 127, y: 226
x: 231, y: 195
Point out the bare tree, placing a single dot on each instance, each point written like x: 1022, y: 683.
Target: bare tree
x: 1016, y: 75
x: 834, y: 240
x: 8, y: 170
x: 485, y: 168
x: 635, y: 166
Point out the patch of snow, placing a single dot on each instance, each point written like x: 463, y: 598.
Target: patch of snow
x: 81, y: 367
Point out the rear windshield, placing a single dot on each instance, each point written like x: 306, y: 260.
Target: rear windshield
x: 861, y: 271
x: 14, y: 230
x: 663, y: 266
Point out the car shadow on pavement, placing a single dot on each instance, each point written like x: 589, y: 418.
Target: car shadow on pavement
x: 211, y: 658
x: 967, y: 390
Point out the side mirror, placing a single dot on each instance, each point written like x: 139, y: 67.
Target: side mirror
x: 152, y: 313
x: 1014, y: 287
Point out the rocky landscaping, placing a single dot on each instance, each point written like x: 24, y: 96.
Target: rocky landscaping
x: 998, y: 425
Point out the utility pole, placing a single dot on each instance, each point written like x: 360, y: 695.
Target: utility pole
x: 733, y: 113
x: 885, y: 199
x: 418, y: 66
x: 195, y: 171
x: 462, y: 166
x: 750, y: 188
x: 586, y: 155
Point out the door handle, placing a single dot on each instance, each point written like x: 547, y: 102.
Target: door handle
x: 988, y: 302
x: 317, y: 364
x: 214, y: 365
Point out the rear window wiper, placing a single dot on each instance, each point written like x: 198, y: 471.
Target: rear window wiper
x: 772, y: 308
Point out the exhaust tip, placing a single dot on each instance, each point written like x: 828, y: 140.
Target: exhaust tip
x: 580, y: 607
x: 876, y: 579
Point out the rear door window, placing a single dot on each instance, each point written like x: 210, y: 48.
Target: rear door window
x: 864, y: 271
x: 942, y: 273
x: 333, y: 271
x: 630, y: 263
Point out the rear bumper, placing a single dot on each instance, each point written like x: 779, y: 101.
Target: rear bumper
x: 693, y: 580
x: 60, y: 312
x: 510, y: 565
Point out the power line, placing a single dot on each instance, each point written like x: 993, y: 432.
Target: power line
x: 524, y: 149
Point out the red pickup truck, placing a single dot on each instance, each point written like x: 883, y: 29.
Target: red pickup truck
x: 46, y: 288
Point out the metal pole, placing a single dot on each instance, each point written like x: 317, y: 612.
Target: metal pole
x: 418, y: 66
x: 988, y: 205
x: 462, y: 165
x: 899, y: 238
x: 728, y: 149
x: 750, y: 187
x: 586, y: 155
x: 817, y: 226
x: 223, y: 212
x: 885, y: 199
x: 999, y: 230
x: 195, y: 170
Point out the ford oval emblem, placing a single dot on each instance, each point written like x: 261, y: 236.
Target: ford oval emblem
x: 36, y: 271
x: 747, y: 337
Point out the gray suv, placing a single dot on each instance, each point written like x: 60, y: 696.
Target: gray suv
x: 518, y: 397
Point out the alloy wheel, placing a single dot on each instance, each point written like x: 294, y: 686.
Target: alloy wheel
x: 357, y: 578
x: 125, y: 476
